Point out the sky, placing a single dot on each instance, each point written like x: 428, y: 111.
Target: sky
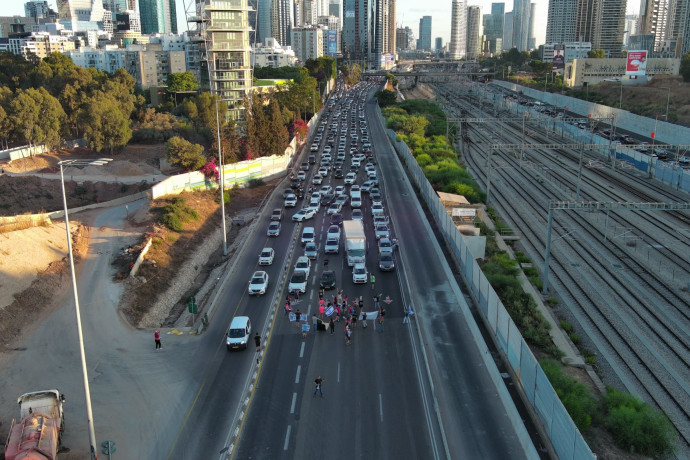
x: 408, y: 13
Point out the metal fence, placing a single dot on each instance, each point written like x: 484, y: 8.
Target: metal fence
x: 564, y: 435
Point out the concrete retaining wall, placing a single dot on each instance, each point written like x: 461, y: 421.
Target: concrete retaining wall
x: 105, y: 204
x: 667, y: 133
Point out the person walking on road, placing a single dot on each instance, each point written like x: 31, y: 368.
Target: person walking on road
x: 331, y: 324
x: 408, y: 312
x: 379, y: 323
x: 257, y: 341
x: 317, y: 385
x: 314, y: 321
x: 364, y: 319
x: 348, y: 335
x: 157, y: 338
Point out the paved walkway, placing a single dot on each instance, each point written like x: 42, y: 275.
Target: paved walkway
x: 153, y: 178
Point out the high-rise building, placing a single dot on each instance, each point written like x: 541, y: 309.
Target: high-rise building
x: 665, y: 19
x: 309, y: 12
x: 79, y: 15
x: 39, y: 10
x: 438, y: 44
x: 608, y: 32
x: 561, y: 21
x: 392, y: 36
x: 223, y: 36
x: 404, y: 37
x: 631, y: 23
x: 424, y: 41
x: 281, y: 21
x: 158, y: 16
x: 474, y: 23
x: 307, y: 42
x: 493, y: 28
x: 334, y: 10
x: 531, y: 39
x: 521, y: 20
x: 458, y: 26
x: 350, y: 29
x: 508, y: 31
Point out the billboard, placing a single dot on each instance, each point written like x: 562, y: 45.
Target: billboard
x: 332, y: 40
x: 558, y: 56
x: 636, y: 63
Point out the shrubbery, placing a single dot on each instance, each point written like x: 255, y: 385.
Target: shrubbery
x: 576, y: 397
x: 177, y: 213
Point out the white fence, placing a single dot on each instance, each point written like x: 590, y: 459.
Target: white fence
x: 564, y: 435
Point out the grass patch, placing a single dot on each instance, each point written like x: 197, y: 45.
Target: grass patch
x: 177, y: 213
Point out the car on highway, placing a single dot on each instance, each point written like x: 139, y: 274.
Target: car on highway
x: 266, y: 256
x: 342, y: 199
x: 315, y: 203
x: 273, y: 229
x: 377, y: 209
x: 385, y: 246
x: 380, y: 220
x: 327, y: 198
x: 375, y: 195
x: 298, y: 282
x: 304, y: 214
x: 333, y: 231
x: 258, y: 283
x: 307, y: 235
x: 304, y: 264
x: 355, y: 188
x: 288, y: 191
x: 305, y: 166
x: 302, y: 176
x: 311, y: 250
x: 336, y: 219
x: 323, y: 171
x: 357, y: 214
x: 277, y: 214
x: 318, y: 180
x: 386, y: 262
x: 339, y: 190
x: 368, y: 185
x: 382, y: 231
x: 327, y: 280
x: 290, y: 201
x: 332, y: 246
x: 334, y: 208
x: 338, y: 174
x: 350, y: 178
x: 312, y: 159
x: 359, y: 274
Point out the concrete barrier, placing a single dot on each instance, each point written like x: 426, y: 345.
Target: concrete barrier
x: 105, y: 204
x: 140, y: 258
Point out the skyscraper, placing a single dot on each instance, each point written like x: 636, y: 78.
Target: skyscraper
x: 508, y: 31
x: 474, y: 15
x: 608, y: 31
x: 39, y: 9
x: 458, y: 24
x: 349, y: 29
x: 493, y: 28
x: 80, y: 15
x: 439, y: 44
x: 665, y: 19
x: 561, y: 21
x: 158, y: 16
x: 424, y: 41
x: 403, y: 38
x: 281, y: 21
x: 531, y: 39
x: 263, y: 21
x: 391, y: 27
x: 521, y: 15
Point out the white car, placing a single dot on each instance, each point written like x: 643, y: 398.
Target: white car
x: 323, y: 171
x: 314, y: 204
x: 266, y: 257
x: 325, y: 189
x: 258, y: 283
x: 298, y: 282
x: 342, y: 200
x: 376, y: 209
x: 308, y: 235
x: 332, y: 246
x: 318, y: 180
x: 357, y: 214
x: 368, y: 185
x: 350, y: 178
x: 334, y: 208
x: 304, y: 214
x: 301, y: 175
x: 304, y: 264
x: 382, y: 231
x: 385, y: 246
x: 355, y: 188
x: 333, y: 232
x: 359, y: 274
x: 380, y: 220
x: 290, y: 201
x: 339, y: 190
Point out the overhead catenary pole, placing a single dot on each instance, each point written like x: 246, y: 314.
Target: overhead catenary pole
x: 221, y: 180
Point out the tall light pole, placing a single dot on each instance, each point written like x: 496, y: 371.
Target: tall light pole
x: 221, y: 180
x: 84, y: 370
x: 668, y: 98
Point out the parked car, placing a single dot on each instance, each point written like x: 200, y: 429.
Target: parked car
x: 258, y: 283
x: 266, y: 256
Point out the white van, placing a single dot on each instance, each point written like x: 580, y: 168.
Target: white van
x: 238, y: 333
x: 356, y: 199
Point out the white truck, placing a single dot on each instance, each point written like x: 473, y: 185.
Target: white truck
x: 355, y: 242
x: 38, y: 434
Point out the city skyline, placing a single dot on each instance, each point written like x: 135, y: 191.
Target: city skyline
x: 408, y: 14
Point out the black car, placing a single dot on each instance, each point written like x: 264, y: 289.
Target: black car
x: 327, y: 199
x: 338, y: 174
x: 312, y: 159
x: 299, y: 193
x: 337, y: 219
x: 327, y: 280
x: 295, y: 183
x: 386, y: 262
x: 287, y: 191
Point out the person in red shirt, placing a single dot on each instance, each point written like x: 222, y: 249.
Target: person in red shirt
x: 157, y: 338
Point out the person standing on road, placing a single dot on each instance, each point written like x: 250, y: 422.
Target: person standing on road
x: 379, y: 323
x: 257, y: 341
x: 317, y: 385
x: 331, y: 324
x: 314, y: 322
x: 157, y: 338
x: 348, y: 335
x: 408, y: 312
x: 364, y: 319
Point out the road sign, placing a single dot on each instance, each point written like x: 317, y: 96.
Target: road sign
x: 192, y: 306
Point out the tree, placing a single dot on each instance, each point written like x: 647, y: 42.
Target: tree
x: 105, y: 126
x: 257, y: 126
x: 514, y: 57
x: 392, y: 79
x: 37, y: 117
x: 685, y: 67
x: 182, y: 81
x: 352, y: 73
x: 386, y: 98
x: 279, y: 136
x: 596, y: 54
x: 184, y: 154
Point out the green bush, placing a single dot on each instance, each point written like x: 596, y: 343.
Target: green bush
x: 638, y: 427
x: 566, y: 326
x: 256, y: 183
x: 173, y: 222
x: 576, y: 397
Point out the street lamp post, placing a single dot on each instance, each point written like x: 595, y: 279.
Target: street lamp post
x: 222, y: 184
x: 84, y: 370
x: 668, y: 98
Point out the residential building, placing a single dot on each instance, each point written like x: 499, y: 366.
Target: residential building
x: 424, y: 40
x: 561, y: 21
x: 40, y: 44
x: 222, y: 37
x: 150, y: 65
x: 458, y: 25
x: 666, y: 20
x: 309, y: 12
x: 158, y: 16
x: 331, y: 34
x: 493, y: 28
x: 307, y: 42
x: 609, y: 31
x: 592, y: 71
x: 40, y: 11
x: 508, y: 31
x: 474, y: 32
x: 78, y: 15
x: 272, y: 54
x: 106, y: 59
